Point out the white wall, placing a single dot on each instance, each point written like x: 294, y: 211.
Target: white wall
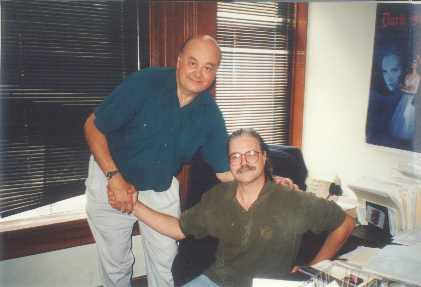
x: 77, y: 266
x: 338, y: 69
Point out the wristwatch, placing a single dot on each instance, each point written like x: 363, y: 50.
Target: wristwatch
x: 110, y: 174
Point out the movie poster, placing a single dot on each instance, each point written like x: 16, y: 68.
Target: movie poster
x: 393, y: 118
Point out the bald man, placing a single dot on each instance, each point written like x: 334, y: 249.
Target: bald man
x: 140, y: 137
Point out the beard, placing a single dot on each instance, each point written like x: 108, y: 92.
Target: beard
x: 245, y: 168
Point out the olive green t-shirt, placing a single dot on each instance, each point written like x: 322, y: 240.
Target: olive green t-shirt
x: 263, y: 241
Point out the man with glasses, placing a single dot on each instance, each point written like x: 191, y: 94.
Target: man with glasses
x: 259, y: 224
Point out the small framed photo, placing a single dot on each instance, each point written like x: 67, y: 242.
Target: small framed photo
x: 375, y: 216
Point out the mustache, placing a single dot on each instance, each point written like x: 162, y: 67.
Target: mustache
x: 245, y: 168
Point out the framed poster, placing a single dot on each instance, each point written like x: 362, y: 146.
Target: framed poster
x: 394, y: 101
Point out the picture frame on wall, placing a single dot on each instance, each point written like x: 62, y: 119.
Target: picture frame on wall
x: 393, y: 116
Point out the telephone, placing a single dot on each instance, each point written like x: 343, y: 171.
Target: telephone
x: 327, y: 186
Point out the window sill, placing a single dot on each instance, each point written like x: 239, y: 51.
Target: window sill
x: 46, y: 238
x: 45, y: 233
x: 41, y: 220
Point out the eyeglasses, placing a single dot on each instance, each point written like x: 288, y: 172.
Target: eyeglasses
x: 250, y: 156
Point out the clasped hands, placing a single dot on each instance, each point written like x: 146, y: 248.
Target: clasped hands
x: 121, y: 195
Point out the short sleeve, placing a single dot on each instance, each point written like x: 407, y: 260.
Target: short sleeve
x: 119, y: 106
x: 192, y: 221
x: 320, y: 214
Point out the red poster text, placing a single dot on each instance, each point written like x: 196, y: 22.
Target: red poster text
x: 388, y: 20
x: 414, y: 19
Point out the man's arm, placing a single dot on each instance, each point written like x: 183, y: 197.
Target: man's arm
x: 100, y: 149
x: 334, y: 242
x: 165, y: 224
x: 162, y: 223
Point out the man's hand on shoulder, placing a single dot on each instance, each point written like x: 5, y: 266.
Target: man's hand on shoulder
x: 123, y: 198
x: 286, y: 181
x: 225, y: 176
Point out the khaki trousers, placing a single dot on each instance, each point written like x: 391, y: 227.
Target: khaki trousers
x: 112, y: 231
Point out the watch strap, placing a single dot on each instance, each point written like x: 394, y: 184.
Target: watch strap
x: 110, y: 174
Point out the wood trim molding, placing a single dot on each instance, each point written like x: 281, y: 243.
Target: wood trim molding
x: 40, y: 239
x: 297, y: 102
x: 170, y: 25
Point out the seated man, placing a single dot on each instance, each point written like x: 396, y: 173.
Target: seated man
x: 258, y: 223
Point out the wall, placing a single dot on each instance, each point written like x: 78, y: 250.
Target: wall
x: 76, y: 266
x: 339, y: 55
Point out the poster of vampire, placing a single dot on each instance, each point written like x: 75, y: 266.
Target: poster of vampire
x: 393, y: 117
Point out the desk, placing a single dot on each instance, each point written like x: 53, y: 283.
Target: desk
x: 371, y: 236
x: 363, y: 235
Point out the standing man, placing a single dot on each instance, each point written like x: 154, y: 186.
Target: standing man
x: 258, y: 223
x: 140, y: 136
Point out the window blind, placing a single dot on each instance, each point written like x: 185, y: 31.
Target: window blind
x: 60, y: 59
x: 253, y: 87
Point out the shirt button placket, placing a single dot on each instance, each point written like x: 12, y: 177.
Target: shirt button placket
x: 246, y: 225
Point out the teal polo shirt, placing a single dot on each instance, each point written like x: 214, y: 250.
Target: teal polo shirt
x: 150, y: 137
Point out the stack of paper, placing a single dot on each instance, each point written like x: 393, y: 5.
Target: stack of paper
x: 401, y: 196
x: 260, y: 282
x: 408, y: 237
x: 401, y: 263
x: 321, y: 186
x: 360, y: 256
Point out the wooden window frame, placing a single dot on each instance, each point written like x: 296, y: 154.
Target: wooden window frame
x: 194, y: 18
x: 297, y: 101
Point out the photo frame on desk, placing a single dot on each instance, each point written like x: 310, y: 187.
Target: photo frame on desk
x: 378, y: 216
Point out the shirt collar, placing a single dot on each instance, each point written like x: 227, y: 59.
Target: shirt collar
x: 267, y: 190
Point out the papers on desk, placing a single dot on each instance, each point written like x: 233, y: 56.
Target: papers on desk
x: 393, y: 265
x: 401, y: 197
x: 408, y: 237
x: 360, y: 256
x: 402, y: 263
x: 259, y: 282
x: 393, y: 262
